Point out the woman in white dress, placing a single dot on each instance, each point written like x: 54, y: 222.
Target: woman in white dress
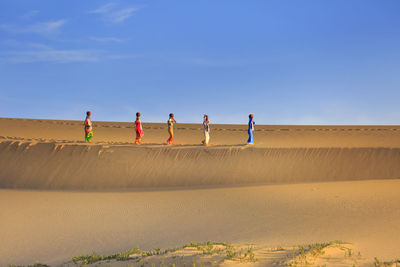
x: 206, y: 128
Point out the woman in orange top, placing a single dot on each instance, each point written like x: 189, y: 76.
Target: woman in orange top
x: 171, y: 122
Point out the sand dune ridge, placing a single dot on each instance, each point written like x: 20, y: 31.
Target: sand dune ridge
x: 100, y: 167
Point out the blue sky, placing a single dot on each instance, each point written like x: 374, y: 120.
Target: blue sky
x: 288, y: 62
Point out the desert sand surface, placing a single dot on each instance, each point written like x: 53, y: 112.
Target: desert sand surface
x: 298, y: 185
x: 270, y: 136
x: 53, y: 155
x: 52, y: 226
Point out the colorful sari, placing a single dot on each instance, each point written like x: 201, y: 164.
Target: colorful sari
x: 88, y: 129
x: 139, y: 131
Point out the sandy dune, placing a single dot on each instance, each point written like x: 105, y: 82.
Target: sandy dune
x: 297, y: 185
x: 54, y: 157
x: 51, y: 227
x: 104, y: 167
x: 334, y: 253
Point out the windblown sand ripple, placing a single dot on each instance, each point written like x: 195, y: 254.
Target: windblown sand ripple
x: 51, y: 226
x: 99, y: 167
x: 297, y: 185
x: 45, y: 154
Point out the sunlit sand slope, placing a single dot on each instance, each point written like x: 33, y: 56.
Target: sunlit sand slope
x: 53, y: 226
x: 155, y: 195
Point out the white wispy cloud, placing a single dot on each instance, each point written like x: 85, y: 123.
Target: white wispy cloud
x: 205, y: 62
x: 111, y: 13
x: 33, y: 52
x: 106, y: 39
x: 9, y: 42
x: 42, y: 28
x: 47, y: 27
x: 52, y: 55
x: 103, y: 9
x: 124, y: 56
x: 29, y: 14
x: 121, y: 15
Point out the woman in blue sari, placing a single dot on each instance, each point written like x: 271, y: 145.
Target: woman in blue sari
x: 251, y: 129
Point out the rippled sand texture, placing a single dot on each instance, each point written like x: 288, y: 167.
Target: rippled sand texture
x: 44, y: 154
x: 299, y: 185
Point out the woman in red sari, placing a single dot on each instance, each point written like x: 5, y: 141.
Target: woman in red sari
x: 138, y: 128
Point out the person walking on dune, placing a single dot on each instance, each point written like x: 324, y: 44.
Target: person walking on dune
x: 171, y: 122
x: 88, y: 127
x: 250, y: 141
x: 139, y: 129
x: 206, y: 126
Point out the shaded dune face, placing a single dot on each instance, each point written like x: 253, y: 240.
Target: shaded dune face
x: 66, y: 166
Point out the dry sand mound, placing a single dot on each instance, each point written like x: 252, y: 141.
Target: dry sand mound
x: 51, y: 226
x: 81, y: 167
x: 334, y: 253
x: 49, y: 154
